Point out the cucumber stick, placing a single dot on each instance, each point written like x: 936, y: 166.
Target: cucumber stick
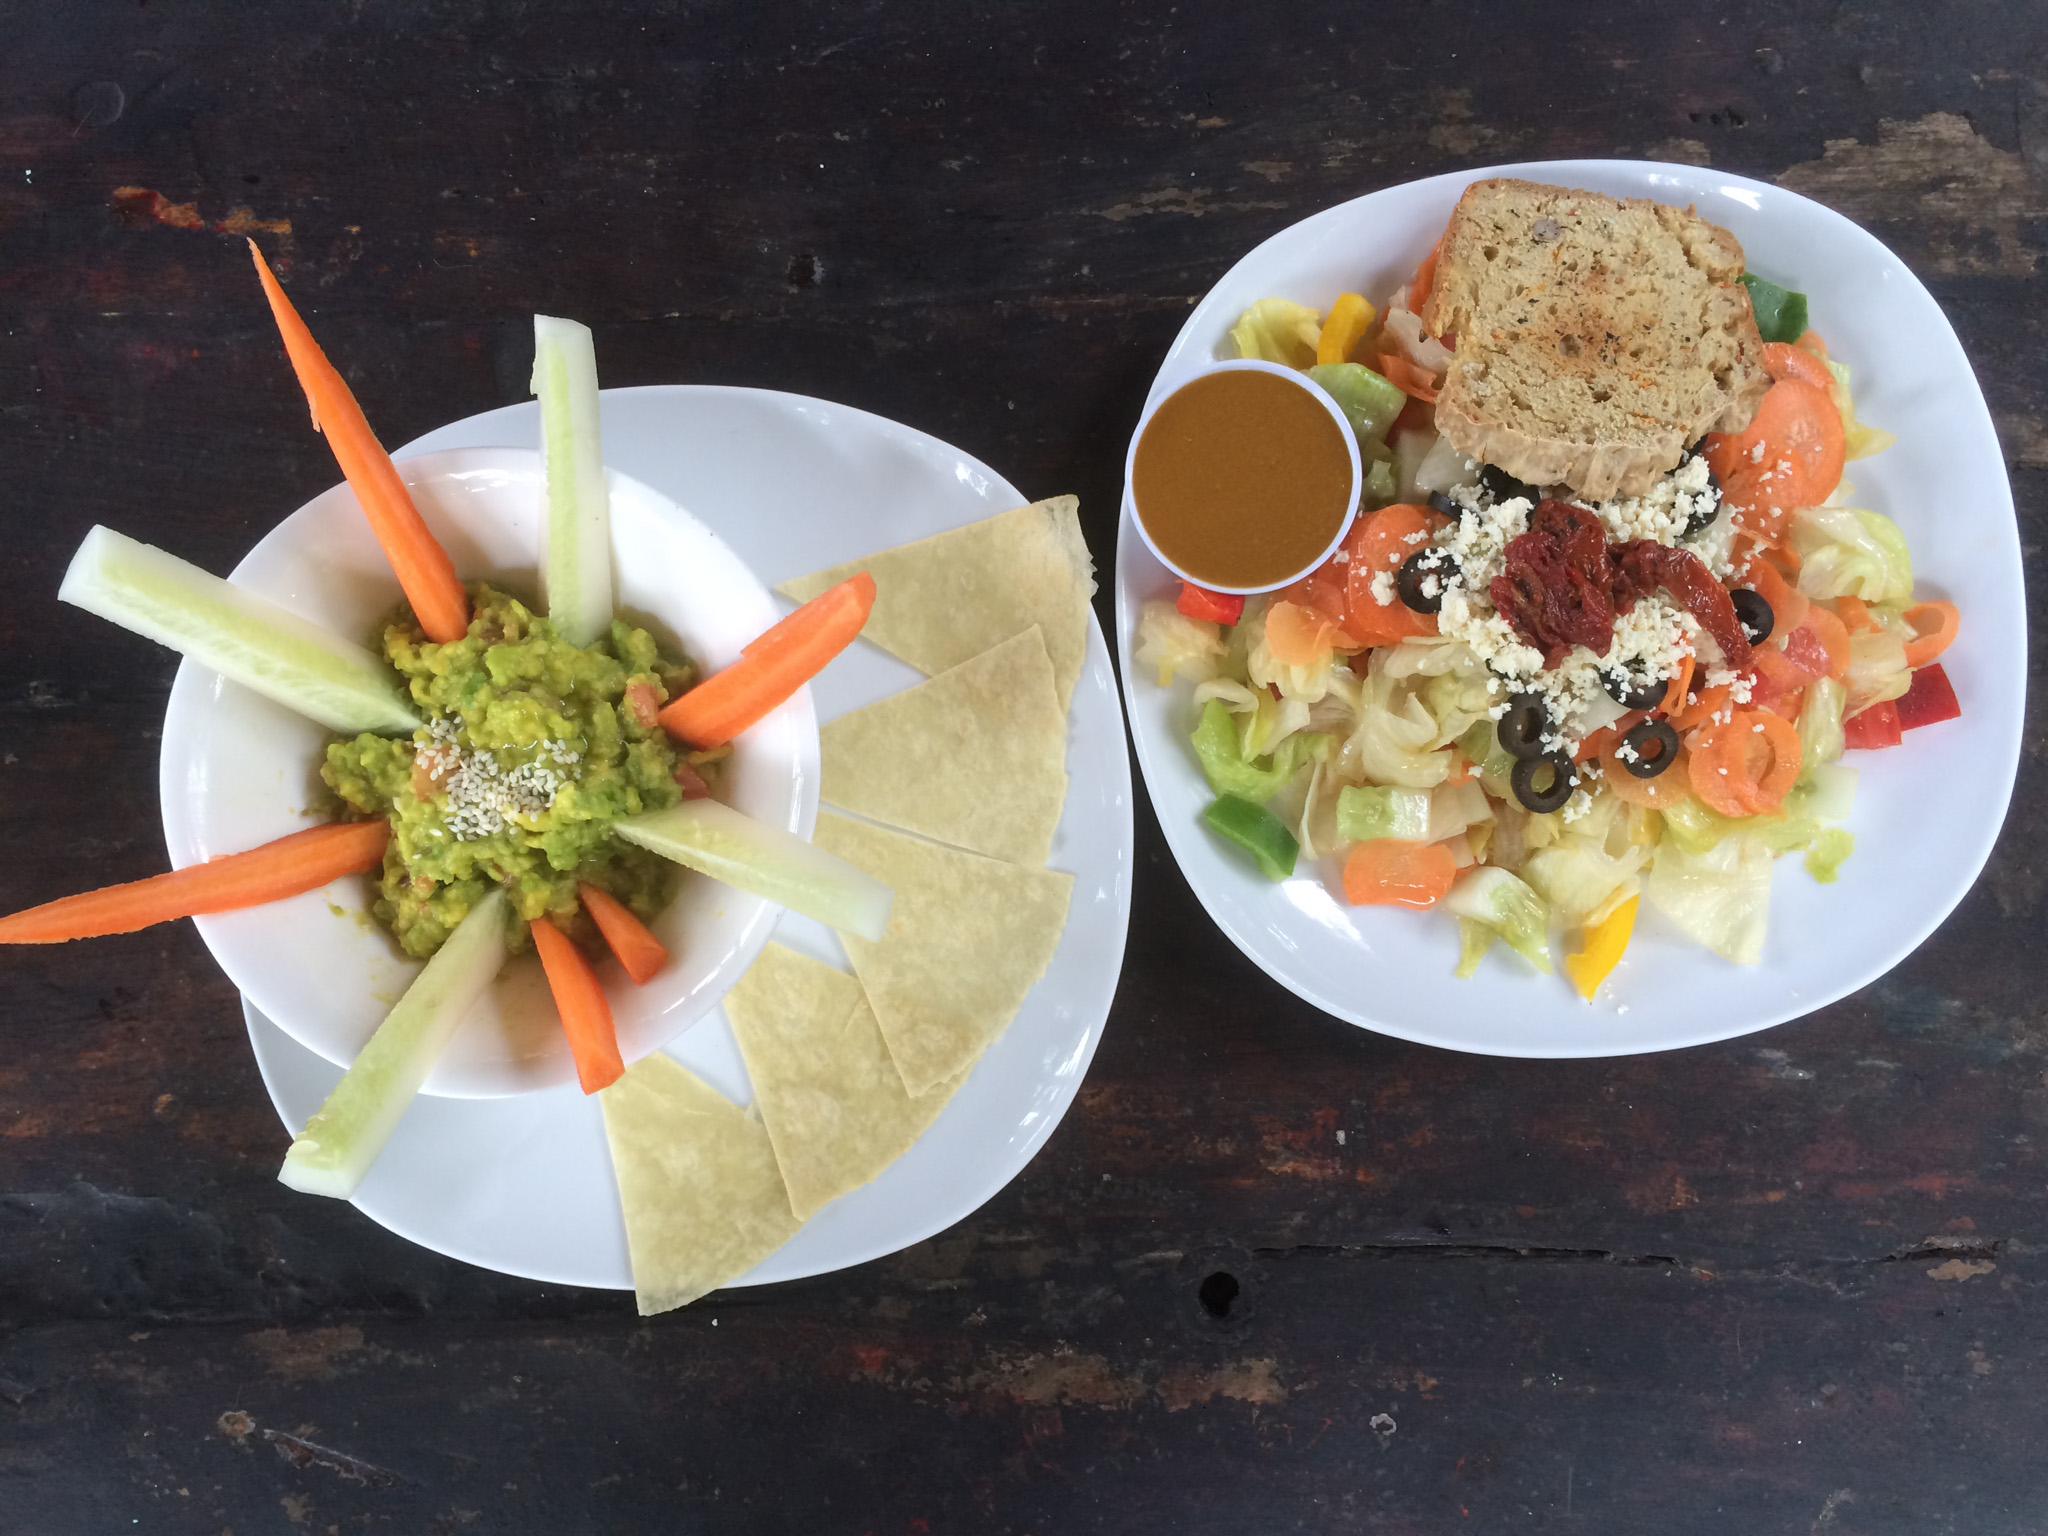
x: 256, y: 642
x: 576, y: 565
x: 727, y: 845
x: 346, y: 1133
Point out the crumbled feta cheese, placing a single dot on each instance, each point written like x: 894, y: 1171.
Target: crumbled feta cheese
x: 1383, y: 588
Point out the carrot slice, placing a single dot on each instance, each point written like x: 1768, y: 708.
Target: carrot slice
x: 580, y: 1000
x: 303, y: 861
x: 1681, y: 684
x: 423, y: 568
x: 1827, y: 627
x: 639, y: 951
x: 1705, y: 705
x: 1380, y: 542
x: 1855, y: 614
x: 1788, y: 604
x: 1424, y: 281
x: 1782, y: 360
x: 1298, y: 636
x: 1811, y: 342
x: 1667, y: 788
x: 1389, y: 872
x: 1406, y: 377
x: 772, y: 667
x: 1934, y: 627
x: 1790, y: 456
x: 1746, y: 766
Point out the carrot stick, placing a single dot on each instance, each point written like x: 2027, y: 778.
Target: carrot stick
x: 1674, y: 698
x: 773, y: 667
x: 303, y: 861
x: 1855, y: 614
x: 422, y: 565
x: 639, y: 951
x: 1934, y: 627
x: 580, y: 1000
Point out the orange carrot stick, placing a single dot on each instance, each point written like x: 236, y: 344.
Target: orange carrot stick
x: 422, y: 565
x: 303, y: 861
x: 1387, y: 872
x: 580, y: 1000
x: 773, y: 667
x: 639, y: 951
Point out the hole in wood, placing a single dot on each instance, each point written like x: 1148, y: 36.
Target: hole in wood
x: 1217, y: 1293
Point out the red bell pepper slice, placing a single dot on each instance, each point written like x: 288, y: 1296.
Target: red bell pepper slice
x: 1929, y: 701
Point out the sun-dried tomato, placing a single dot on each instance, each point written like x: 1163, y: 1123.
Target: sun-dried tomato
x: 1643, y: 565
x: 1556, y: 586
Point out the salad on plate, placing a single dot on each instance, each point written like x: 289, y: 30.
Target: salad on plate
x: 1608, y: 621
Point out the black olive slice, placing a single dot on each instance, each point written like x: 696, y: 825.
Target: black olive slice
x: 1652, y: 747
x: 1753, y: 613
x: 1503, y: 486
x: 1633, y: 692
x: 1564, y: 778
x: 1521, y: 730
x: 1440, y: 501
x: 1709, y: 508
x: 1408, y: 580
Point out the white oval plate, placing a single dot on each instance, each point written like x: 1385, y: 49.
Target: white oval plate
x: 524, y: 1185
x: 237, y: 770
x: 1926, y: 812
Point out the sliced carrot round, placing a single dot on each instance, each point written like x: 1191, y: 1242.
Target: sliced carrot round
x: 1681, y: 684
x: 1746, y: 766
x: 1704, y: 706
x: 1298, y: 636
x: 1782, y: 360
x: 1379, y: 542
x: 1788, y: 604
x: 1389, y: 872
x: 1790, y: 455
x: 1934, y: 627
x: 1667, y: 788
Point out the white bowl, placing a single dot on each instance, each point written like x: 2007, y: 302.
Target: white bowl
x: 1345, y: 435
x: 1926, y: 812
x: 238, y: 770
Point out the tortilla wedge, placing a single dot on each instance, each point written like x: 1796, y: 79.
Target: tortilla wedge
x: 942, y: 600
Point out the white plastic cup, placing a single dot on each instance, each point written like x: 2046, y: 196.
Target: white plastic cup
x: 1322, y: 397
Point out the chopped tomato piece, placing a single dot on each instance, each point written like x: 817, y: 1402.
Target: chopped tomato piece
x: 1216, y: 607
x: 1877, y: 726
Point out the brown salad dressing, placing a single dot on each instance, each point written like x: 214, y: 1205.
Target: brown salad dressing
x: 1242, y: 478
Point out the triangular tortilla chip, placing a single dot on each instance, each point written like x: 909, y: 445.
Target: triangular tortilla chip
x: 830, y: 1096
x: 967, y: 938
x: 698, y: 1183
x: 975, y: 757
x: 940, y: 600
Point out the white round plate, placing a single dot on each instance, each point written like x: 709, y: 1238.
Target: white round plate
x: 1926, y: 812
x: 524, y: 1185
x: 237, y: 770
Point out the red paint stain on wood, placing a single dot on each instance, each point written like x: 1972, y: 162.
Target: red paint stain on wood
x: 141, y: 205
x: 870, y: 1357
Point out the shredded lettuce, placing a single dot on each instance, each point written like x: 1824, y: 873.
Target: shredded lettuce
x: 1278, y: 331
x: 1369, y: 811
x: 1877, y: 670
x: 1232, y: 766
x: 1848, y: 551
x: 1721, y: 897
x: 1474, y: 940
x: 1580, y: 880
x: 1507, y: 907
x: 1170, y: 644
x: 1820, y: 722
x: 1824, y: 858
x: 1858, y: 440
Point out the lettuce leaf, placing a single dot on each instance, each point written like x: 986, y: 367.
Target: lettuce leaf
x: 1848, y: 551
x: 1721, y: 897
x: 1170, y: 644
x: 1508, y: 908
x: 1278, y: 331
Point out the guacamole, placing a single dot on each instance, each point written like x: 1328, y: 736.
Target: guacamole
x: 532, y: 748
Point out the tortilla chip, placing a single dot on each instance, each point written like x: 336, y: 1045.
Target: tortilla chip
x: 967, y: 938
x: 975, y: 757
x: 703, y: 1199
x: 942, y: 600
x: 830, y: 1096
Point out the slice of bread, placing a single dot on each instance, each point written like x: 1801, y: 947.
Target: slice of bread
x: 1596, y: 338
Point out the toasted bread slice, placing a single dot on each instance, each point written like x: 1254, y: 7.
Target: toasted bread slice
x: 1597, y: 338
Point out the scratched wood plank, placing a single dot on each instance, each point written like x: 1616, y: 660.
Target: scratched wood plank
x: 1272, y: 1272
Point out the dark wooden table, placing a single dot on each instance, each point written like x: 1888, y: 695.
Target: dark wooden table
x: 1791, y: 1283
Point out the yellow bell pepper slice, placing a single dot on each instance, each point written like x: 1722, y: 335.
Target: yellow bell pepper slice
x: 1350, y: 318
x: 1601, y: 948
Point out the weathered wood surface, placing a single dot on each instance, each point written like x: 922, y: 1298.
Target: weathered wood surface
x: 1792, y: 1283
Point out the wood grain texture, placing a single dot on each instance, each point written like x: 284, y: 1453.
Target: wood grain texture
x: 1789, y: 1283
